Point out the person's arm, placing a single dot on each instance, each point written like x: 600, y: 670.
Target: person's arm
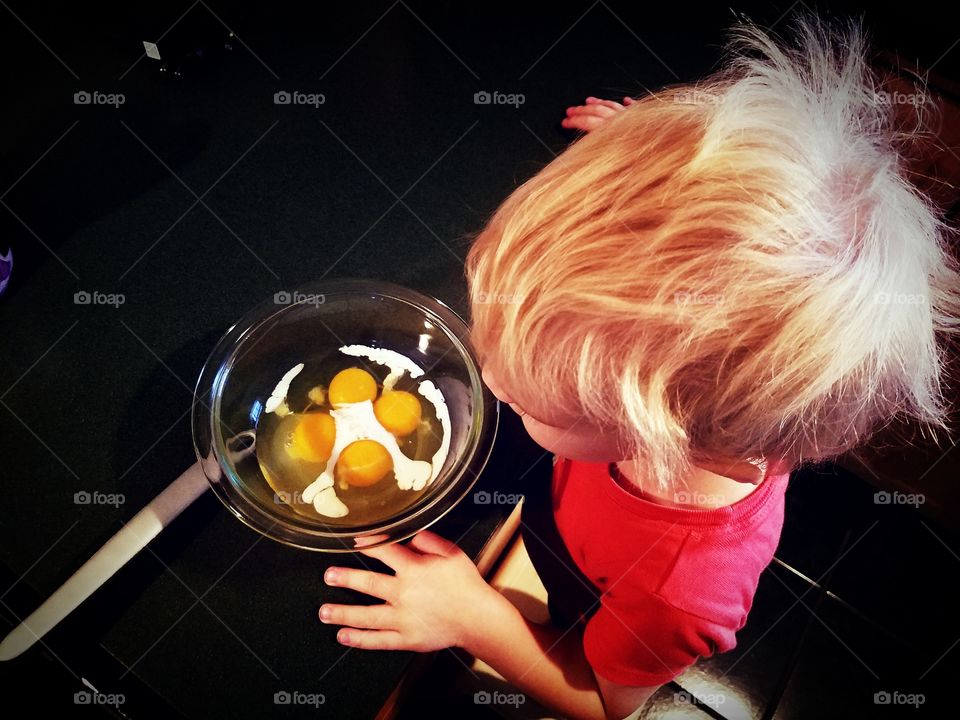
x: 437, y: 599
x: 548, y: 664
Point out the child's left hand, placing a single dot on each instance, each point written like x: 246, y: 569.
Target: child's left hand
x: 593, y: 113
x: 435, y: 598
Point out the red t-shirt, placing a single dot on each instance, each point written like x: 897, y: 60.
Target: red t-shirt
x: 676, y: 584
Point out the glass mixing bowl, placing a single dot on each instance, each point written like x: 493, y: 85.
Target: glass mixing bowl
x: 309, y: 326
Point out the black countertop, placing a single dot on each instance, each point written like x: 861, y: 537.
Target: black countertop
x: 196, y: 198
x: 212, y: 620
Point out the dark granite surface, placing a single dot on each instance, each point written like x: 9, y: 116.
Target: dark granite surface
x: 197, y: 198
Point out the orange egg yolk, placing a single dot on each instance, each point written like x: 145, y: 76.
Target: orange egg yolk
x: 364, y: 462
x: 351, y: 386
x: 313, y: 437
x: 398, y: 412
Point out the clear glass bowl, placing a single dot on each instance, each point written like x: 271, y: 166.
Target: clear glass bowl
x: 310, y: 325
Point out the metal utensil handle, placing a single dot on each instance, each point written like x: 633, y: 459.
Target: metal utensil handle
x: 114, y: 554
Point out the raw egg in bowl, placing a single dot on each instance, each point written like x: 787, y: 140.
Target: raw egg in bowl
x: 347, y: 413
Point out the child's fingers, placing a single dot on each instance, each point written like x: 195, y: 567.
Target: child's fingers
x: 587, y: 123
x: 607, y: 104
x: 431, y: 543
x: 627, y: 100
x: 376, y: 617
x: 395, y: 556
x: 371, y: 639
x: 370, y: 539
x: 587, y: 117
x: 365, y: 581
x: 601, y: 111
x: 612, y: 104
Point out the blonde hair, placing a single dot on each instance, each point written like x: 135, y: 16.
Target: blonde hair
x: 737, y: 268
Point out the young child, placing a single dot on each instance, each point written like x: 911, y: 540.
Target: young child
x: 716, y: 284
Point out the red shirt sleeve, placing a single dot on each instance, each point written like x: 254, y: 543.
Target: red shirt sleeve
x: 675, y: 583
x: 644, y: 641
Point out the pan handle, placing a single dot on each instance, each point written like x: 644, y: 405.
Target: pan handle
x: 131, y: 539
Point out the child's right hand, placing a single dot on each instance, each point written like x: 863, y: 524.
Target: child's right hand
x: 593, y: 113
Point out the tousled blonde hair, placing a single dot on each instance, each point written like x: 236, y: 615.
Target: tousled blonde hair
x: 736, y: 268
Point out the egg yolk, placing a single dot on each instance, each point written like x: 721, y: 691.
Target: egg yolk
x: 398, y: 412
x: 352, y: 385
x: 313, y: 437
x: 364, y: 462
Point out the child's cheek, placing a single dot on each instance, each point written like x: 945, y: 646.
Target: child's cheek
x: 579, y: 442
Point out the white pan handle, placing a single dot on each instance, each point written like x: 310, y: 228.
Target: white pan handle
x: 115, y: 553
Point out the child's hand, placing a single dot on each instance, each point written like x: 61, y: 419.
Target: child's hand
x: 435, y: 598
x: 593, y: 114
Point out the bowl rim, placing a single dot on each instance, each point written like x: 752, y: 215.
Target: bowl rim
x: 311, y: 535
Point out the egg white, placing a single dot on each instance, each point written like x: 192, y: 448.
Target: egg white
x: 357, y: 421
